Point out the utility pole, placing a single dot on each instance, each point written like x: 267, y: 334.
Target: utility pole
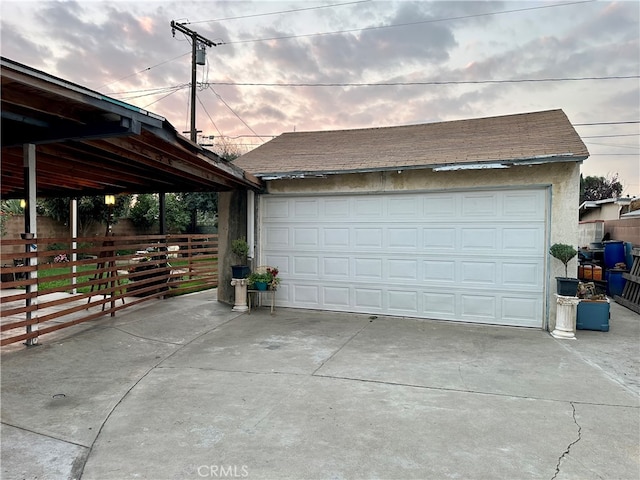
x: 196, y: 42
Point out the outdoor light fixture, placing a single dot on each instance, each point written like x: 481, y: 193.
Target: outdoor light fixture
x: 109, y: 199
x: 23, y: 203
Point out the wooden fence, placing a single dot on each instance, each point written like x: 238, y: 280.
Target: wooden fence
x: 55, y: 284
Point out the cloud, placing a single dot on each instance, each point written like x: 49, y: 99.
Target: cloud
x: 126, y: 48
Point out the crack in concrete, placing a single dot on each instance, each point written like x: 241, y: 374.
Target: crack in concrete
x: 156, y: 340
x: 568, y: 449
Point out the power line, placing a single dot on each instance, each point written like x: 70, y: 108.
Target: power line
x: 611, y: 136
x: 232, y: 111
x: 634, y: 147
x: 462, y: 17
x: 275, y: 13
x: 162, y: 98
x: 210, y: 119
x: 145, y: 70
x: 604, y: 123
x: 383, y: 84
x: 405, y: 84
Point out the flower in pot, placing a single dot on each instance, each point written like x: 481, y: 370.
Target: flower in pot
x: 258, y: 281
x: 564, y: 253
x: 264, y: 278
x: 240, y: 249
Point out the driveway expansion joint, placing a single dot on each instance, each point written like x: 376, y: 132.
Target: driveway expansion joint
x: 45, y: 435
x: 347, y: 341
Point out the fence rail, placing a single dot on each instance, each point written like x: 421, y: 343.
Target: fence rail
x: 56, y: 284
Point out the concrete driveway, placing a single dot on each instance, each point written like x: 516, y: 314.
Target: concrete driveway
x: 187, y: 389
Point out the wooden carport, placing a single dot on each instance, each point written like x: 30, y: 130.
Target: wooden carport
x: 91, y: 144
x: 60, y: 139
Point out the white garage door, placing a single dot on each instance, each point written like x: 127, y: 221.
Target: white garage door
x: 466, y: 256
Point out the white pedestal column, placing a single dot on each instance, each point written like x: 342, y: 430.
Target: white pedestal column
x: 241, y: 294
x: 566, y: 312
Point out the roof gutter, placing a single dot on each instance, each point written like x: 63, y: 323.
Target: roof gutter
x: 490, y: 164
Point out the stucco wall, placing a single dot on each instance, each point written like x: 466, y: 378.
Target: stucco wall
x: 562, y: 180
x: 606, y: 211
x: 232, y: 224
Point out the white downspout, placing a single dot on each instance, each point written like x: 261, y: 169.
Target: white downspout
x: 251, y: 231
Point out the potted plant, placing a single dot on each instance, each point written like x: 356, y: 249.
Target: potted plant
x: 264, y: 278
x: 240, y: 249
x: 566, y: 286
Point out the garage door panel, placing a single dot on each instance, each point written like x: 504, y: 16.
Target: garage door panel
x: 517, y: 274
x: 478, y: 306
x: 439, y: 270
x: 307, y: 295
x: 277, y: 208
x: 367, y: 238
x: 368, y: 298
x: 304, y: 266
x: 336, y: 207
x: 368, y: 207
x: 405, y: 302
x: 280, y: 261
x: 306, y: 208
x: 305, y: 237
x: 463, y: 256
x: 335, y: 237
x: 521, y: 205
x: 524, y: 240
x: 336, y: 296
x: 478, y: 273
x: 479, y: 204
x: 402, y: 238
x: 368, y: 269
x: 439, y: 206
x: 521, y: 310
x: 405, y: 270
x: 439, y: 305
x: 277, y: 237
x: 404, y: 207
x: 443, y: 238
x: 336, y: 267
x: 481, y: 239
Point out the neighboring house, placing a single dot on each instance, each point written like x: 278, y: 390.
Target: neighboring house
x: 612, y: 218
x: 448, y: 221
x: 608, y: 209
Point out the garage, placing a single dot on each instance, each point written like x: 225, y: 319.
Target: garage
x: 471, y: 256
x: 448, y: 220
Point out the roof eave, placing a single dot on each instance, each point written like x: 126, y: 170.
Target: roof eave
x: 441, y: 167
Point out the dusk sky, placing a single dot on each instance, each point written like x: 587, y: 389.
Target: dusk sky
x: 318, y: 65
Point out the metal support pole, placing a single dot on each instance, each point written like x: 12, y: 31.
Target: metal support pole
x: 30, y: 228
x: 73, y: 225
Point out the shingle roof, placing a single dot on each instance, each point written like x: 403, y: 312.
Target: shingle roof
x: 536, y: 137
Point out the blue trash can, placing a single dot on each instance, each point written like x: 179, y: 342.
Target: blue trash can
x: 613, y: 253
x: 616, y: 282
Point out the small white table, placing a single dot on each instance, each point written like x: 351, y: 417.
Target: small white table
x: 251, y: 291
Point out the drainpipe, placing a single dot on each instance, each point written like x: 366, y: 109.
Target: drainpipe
x: 251, y: 213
